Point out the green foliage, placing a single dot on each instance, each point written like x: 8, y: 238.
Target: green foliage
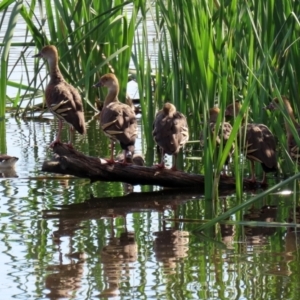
x: 206, y: 53
x: 222, y: 51
x: 92, y: 38
x: 5, y: 52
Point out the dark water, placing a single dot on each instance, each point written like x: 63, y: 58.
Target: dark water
x: 62, y: 238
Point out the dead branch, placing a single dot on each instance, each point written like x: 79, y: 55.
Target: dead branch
x: 72, y: 162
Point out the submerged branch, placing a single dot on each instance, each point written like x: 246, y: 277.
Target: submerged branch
x: 72, y: 162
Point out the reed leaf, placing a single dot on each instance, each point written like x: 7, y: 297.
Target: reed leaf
x: 5, y: 54
x: 238, y: 208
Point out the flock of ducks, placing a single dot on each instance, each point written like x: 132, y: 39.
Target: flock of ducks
x: 170, y: 129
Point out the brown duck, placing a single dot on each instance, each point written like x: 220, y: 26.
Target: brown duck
x: 7, y: 161
x: 224, y: 132
x: 260, y: 144
x: 170, y: 132
x: 62, y: 99
x: 292, y: 145
x: 117, y: 119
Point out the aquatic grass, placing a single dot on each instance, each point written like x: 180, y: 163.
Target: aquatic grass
x: 99, y: 32
x: 240, y: 207
x: 206, y: 54
x: 144, y: 79
x: 215, y: 55
x: 5, y: 53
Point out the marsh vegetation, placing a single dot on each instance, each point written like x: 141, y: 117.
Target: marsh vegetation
x: 200, y: 54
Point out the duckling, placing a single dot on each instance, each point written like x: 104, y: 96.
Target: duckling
x: 7, y: 161
x: 117, y: 119
x: 136, y: 159
x: 223, y: 135
x: 292, y: 145
x: 170, y: 132
x: 260, y: 144
x: 63, y: 100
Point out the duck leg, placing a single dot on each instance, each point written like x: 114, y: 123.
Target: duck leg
x: 57, y: 139
x: 71, y: 136
x: 112, y: 148
x: 264, y: 180
x: 162, y: 162
x: 124, y: 162
x: 174, y: 168
x: 252, y: 179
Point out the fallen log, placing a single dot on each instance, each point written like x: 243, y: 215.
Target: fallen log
x: 72, y: 162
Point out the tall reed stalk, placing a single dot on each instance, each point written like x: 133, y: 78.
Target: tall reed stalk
x: 207, y: 53
x: 217, y: 52
x: 15, y: 12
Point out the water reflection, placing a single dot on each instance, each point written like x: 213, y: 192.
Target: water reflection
x: 170, y: 245
x: 60, y: 242
x: 65, y: 278
x: 258, y: 235
x: 119, y: 252
x: 117, y: 258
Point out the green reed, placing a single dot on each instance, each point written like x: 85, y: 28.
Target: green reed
x: 207, y: 53
x: 92, y: 38
x: 220, y: 52
x: 5, y: 50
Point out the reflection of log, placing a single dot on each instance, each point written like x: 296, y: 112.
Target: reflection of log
x: 69, y: 161
x: 96, y: 208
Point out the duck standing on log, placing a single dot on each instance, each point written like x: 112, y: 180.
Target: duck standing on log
x: 260, y: 144
x: 117, y: 119
x: 62, y: 99
x: 222, y: 136
x: 170, y: 132
x: 292, y: 145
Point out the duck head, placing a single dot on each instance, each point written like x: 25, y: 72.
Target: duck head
x: 49, y: 53
x: 109, y: 81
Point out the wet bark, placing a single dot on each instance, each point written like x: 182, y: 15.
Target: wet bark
x: 72, y: 162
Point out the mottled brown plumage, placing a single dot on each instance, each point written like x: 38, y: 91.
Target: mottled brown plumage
x: 7, y: 161
x: 260, y: 143
x: 224, y: 132
x: 117, y: 119
x: 292, y: 145
x: 170, y: 132
x: 62, y: 99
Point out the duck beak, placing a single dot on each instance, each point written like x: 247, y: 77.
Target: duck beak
x: 270, y: 106
x: 98, y: 84
x: 38, y: 55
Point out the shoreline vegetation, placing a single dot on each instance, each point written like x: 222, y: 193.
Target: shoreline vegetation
x: 207, y: 53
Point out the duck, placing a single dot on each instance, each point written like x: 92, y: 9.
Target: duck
x: 293, y: 148
x: 170, y: 132
x: 117, y: 120
x: 260, y: 144
x: 63, y: 100
x: 7, y: 161
x: 223, y: 135
x: 136, y: 159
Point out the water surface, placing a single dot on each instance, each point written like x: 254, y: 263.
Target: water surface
x: 62, y: 238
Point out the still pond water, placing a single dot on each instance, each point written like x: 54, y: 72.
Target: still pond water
x: 62, y: 238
